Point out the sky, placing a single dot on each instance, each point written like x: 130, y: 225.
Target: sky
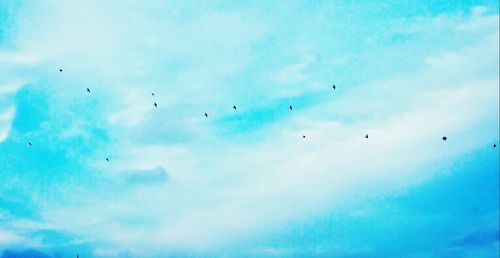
x: 245, y: 182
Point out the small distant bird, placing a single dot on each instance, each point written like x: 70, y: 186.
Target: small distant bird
x: 234, y: 107
x: 366, y: 136
x: 303, y: 136
x: 206, y: 115
x: 60, y: 70
x: 152, y: 94
x: 494, y: 146
x: 30, y: 144
x: 444, y: 138
x: 334, y: 87
x: 107, y: 159
x: 88, y: 90
x: 155, y: 105
x: 290, y: 107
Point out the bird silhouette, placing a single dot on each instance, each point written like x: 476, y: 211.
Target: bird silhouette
x: 206, y: 115
x: 366, y: 136
x: 155, y: 105
x: 152, y: 94
x: 290, y: 107
x: 107, y: 159
x: 444, y: 138
x: 303, y: 136
x: 334, y: 87
x: 234, y: 107
x: 60, y: 70
x: 494, y: 146
x: 88, y: 90
x: 30, y: 144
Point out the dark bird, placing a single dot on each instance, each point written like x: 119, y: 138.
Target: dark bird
x: 303, y: 136
x: 206, y: 115
x: 444, y: 138
x: 234, y: 107
x: 30, y: 144
x: 366, y: 136
x: 152, y: 94
x: 290, y: 107
x: 155, y: 105
x: 334, y: 87
x: 107, y: 159
x: 60, y: 70
x: 494, y: 145
x: 88, y: 90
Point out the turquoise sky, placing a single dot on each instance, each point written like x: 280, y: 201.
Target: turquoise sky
x: 244, y: 182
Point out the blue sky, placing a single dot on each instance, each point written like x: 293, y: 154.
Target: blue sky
x: 244, y: 183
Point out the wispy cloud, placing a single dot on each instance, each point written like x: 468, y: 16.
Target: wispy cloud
x: 179, y: 182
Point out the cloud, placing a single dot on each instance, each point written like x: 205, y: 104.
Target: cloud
x: 9, y: 86
x: 17, y: 59
x: 271, y: 181
x: 293, y: 73
x: 9, y: 238
x: 157, y: 175
x: 223, y: 188
x: 5, y: 123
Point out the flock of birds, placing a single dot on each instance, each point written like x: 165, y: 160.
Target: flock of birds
x: 234, y: 107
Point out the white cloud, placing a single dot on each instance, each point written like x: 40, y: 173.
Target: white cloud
x: 16, y: 59
x: 8, y: 239
x: 257, y: 185
x: 5, y: 122
x: 293, y: 73
x: 222, y: 190
x: 9, y: 86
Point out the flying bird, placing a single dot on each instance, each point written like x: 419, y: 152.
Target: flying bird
x: 494, y: 146
x: 155, y: 105
x: 444, y: 138
x: 234, y: 107
x: 30, y: 144
x: 206, y: 115
x: 303, y: 136
x: 152, y: 94
x: 366, y: 136
x: 88, y: 90
x: 290, y: 107
x: 334, y: 87
x: 107, y: 159
x: 60, y: 70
